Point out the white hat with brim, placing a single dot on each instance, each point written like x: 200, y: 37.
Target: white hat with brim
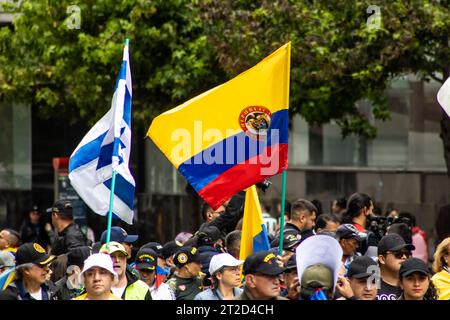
x: 223, y: 260
x: 100, y: 260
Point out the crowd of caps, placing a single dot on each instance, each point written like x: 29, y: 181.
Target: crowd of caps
x: 345, y: 254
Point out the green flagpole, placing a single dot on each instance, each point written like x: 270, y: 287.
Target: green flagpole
x: 111, y: 195
x: 283, y: 200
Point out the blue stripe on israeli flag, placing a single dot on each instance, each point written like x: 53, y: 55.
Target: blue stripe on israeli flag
x: 106, y: 147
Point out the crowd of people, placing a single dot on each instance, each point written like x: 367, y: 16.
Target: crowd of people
x: 346, y: 254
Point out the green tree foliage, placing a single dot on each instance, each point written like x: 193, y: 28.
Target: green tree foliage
x: 71, y: 72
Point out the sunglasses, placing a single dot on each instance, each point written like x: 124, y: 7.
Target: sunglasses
x: 400, y: 254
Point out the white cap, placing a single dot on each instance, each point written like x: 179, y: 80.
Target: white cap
x: 319, y: 249
x: 223, y: 260
x: 101, y: 260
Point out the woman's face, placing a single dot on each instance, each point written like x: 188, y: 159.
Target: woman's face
x: 446, y: 256
x: 415, y: 286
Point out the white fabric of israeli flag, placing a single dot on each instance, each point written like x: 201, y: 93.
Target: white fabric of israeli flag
x: 104, y: 148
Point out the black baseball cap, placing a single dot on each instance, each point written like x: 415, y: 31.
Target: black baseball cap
x: 290, y: 241
x: 118, y: 235
x: 155, y: 246
x: 76, y: 256
x: 33, y: 253
x: 170, y: 248
x: 393, y: 242
x: 263, y: 262
x: 146, y: 259
x: 186, y: 255
x: 291, y: 264
x: 412, y: 265
x: 360, y: 267
x: 63, y: 208
x: 347, y: 231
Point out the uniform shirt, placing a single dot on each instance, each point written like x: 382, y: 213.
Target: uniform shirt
x: 185, y: 289
x: 388, y: 292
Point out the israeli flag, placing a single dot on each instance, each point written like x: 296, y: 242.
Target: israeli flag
x: 104, y: 148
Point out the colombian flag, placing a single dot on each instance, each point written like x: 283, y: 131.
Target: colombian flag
x: 232, y: 136
x: 254, y: 233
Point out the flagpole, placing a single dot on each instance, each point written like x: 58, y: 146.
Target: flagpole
x: 111, y: 195
x: 111, y: 202
x: 283, y: 200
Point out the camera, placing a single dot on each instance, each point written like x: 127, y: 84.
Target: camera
x: 264, y: 185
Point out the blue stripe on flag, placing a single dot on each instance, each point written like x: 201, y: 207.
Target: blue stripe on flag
x: 123, y: 190
x: 86, y: 153
x: 261, y: 240
x: 127, y: 109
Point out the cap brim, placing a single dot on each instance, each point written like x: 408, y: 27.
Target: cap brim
x: 145, y: 266
x: 361, y: 275
x: 407, y: 273
x: 49, y: 210
x: 130, y: 238
x: 46, y: 260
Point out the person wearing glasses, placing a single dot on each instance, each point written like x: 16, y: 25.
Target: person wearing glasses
x: 441, y: 267
x: 392, y: 252
x: 225, y: 272
x: 31, y: 273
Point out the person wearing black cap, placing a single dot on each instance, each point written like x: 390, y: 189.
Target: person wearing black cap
x: 291, y: 240
x: 349, y: 239
x: 68, y: 235
x: 209, y: 241
x: 32, y: 228
x: 30, y: 281
x: 291, y: 288
x: 186, y: 282
x: 363, y: 273
x: 68, y: 287
x: 415, y: 281
x: 262, y: 277
x: 167, y: 253
x: 392, y: 251
x: 146, y: 263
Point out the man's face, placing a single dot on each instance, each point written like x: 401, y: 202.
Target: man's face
x: 119, y: 262
x: 349, y: 246
x: 212, y: 215
x: 363, y: 289
x: 230, y: 276
x: 194, y: 268
x: 148, y: 276
x: 37, y: 273
x: 308, y: 220
x: 34, y: 217
x: 289, y: 277
x: 266, y: 287
x: 98, y: 281
x: 393, y: 260
x: 4, y: 239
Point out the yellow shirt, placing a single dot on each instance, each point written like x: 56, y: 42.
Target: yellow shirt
x: 441, y: 281
x: 84, y: 297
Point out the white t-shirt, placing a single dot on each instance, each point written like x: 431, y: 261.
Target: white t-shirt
x: 162, y: 293
x: 37, y: 295
x: 118, y: 291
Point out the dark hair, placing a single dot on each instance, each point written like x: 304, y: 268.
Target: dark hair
x: 303, y: 204
x: 14, y: 237
x: 356, y: 203
x: 410, y: 217
x: 341, y: 202
x: 403, y: 230
x: 318, y: 205
x: 322, y: 220
x: 232, y: 237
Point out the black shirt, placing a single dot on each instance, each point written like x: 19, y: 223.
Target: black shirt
x: 388, y: 292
